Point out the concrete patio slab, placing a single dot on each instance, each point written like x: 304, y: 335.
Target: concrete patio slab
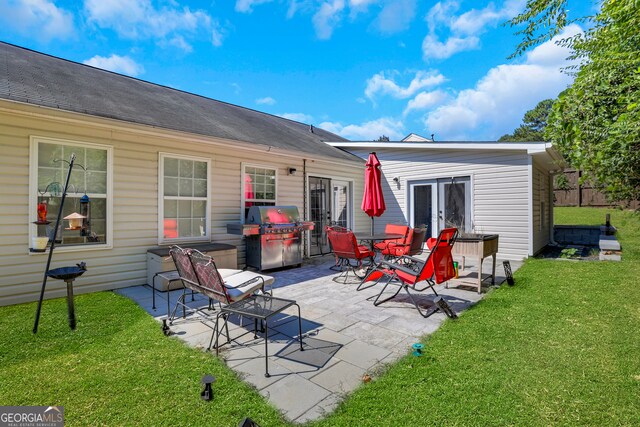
x: 344, y: 334
x: 295, y: 395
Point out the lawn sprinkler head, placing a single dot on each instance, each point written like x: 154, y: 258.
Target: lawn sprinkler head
x: 417, y: 349
x: 207, y: 393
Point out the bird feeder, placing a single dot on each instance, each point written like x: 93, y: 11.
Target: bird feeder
x: 85, y: 210
x: 42, y: 212
x: 75, y: 221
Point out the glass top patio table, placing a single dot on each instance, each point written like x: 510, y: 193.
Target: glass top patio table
x: 259, y: 307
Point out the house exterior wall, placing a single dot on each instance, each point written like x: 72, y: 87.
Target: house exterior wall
x: 542, y: 206
x: 355, y: 176
x: 135, y: 195
x: 499, y: 188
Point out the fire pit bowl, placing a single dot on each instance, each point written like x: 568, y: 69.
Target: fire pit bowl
x: 66, y: 273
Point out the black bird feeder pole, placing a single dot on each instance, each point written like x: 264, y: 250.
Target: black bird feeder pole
x: 53, y: 242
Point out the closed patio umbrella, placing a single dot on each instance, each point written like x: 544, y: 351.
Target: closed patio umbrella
x: 373, y: 199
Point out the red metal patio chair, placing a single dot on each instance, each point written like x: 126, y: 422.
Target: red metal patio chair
x: 351, y: 255
x: 328, y: 228
x: 408, y: 272
x: 413, y: 246
x: 400, y: 229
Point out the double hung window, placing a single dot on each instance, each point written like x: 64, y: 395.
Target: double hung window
x: 259, y: 187
x: 184, y: 198
x: 91, y: 176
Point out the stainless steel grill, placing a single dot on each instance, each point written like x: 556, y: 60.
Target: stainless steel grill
x: 273, y: 235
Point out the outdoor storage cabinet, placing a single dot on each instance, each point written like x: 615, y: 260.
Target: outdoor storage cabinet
x: 158, y: 259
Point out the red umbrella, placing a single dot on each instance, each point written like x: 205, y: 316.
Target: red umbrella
x: 373, y: 199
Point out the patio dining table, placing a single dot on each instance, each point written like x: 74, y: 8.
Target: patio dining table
x: 372, y: 238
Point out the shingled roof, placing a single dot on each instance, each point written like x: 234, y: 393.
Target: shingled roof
x: 35, y: 78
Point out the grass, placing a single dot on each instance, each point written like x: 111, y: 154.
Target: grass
x: 117, y: 368
x: 584, y: 216
x: 559, y: 348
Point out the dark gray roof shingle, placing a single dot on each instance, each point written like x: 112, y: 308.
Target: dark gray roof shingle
x: 35, y: 78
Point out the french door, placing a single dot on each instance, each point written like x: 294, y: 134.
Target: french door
x: 424, y: 205
x: 454, y: 203
x: 319, y: 213
x: 329, y: 203
x: 440, y: 203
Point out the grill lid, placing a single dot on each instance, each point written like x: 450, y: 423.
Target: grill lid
x: 275, y: 215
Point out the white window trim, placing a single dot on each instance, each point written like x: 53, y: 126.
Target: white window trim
x: 33, y: 192
x: 243, y: 166
x: 161, y: 239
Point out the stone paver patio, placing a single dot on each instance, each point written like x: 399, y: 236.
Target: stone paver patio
x: 345, y: 336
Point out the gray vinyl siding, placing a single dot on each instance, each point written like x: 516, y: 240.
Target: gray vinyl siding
x: 499, y: 185
x: 135, y: 196
x: 354, y: 175
x: 541, y: 207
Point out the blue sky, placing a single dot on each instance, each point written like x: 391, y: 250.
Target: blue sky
x: 359, y: 68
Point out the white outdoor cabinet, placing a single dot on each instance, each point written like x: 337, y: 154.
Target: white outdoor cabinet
x: 224, y: 255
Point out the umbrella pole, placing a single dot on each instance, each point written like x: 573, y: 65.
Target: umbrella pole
x: 372, y: 227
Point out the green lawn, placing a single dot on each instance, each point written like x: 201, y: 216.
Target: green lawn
x: 559, y: 348
x: 584, y: 216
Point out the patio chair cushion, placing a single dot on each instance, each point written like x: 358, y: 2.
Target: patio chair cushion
x: 413, y: 244
x: 365, y: 251
x: 394, y: 229
x: 226, y: 272
x: 234, y: 283
x: 345, y: 245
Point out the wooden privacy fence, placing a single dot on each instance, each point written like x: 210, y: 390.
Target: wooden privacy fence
x: 572, y: 193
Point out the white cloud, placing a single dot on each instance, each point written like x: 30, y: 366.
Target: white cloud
x: 425, y: 100
x: 396, y: 16
x: 117, y: 64
x: 432, y: 47
x: 139, y: 19
x: 327, y: 18
x: 368, y: 131
x: 298, y: 117
x: 383, y: 85
x: 218, y: 33
x: 498, y: 101
x: 391, y: 16
x: 246, y: 6
x: 361, y: 4
x: 179, y: 42
x: 37, y: 18
x: 463, y: 30
x: 267, y: 100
